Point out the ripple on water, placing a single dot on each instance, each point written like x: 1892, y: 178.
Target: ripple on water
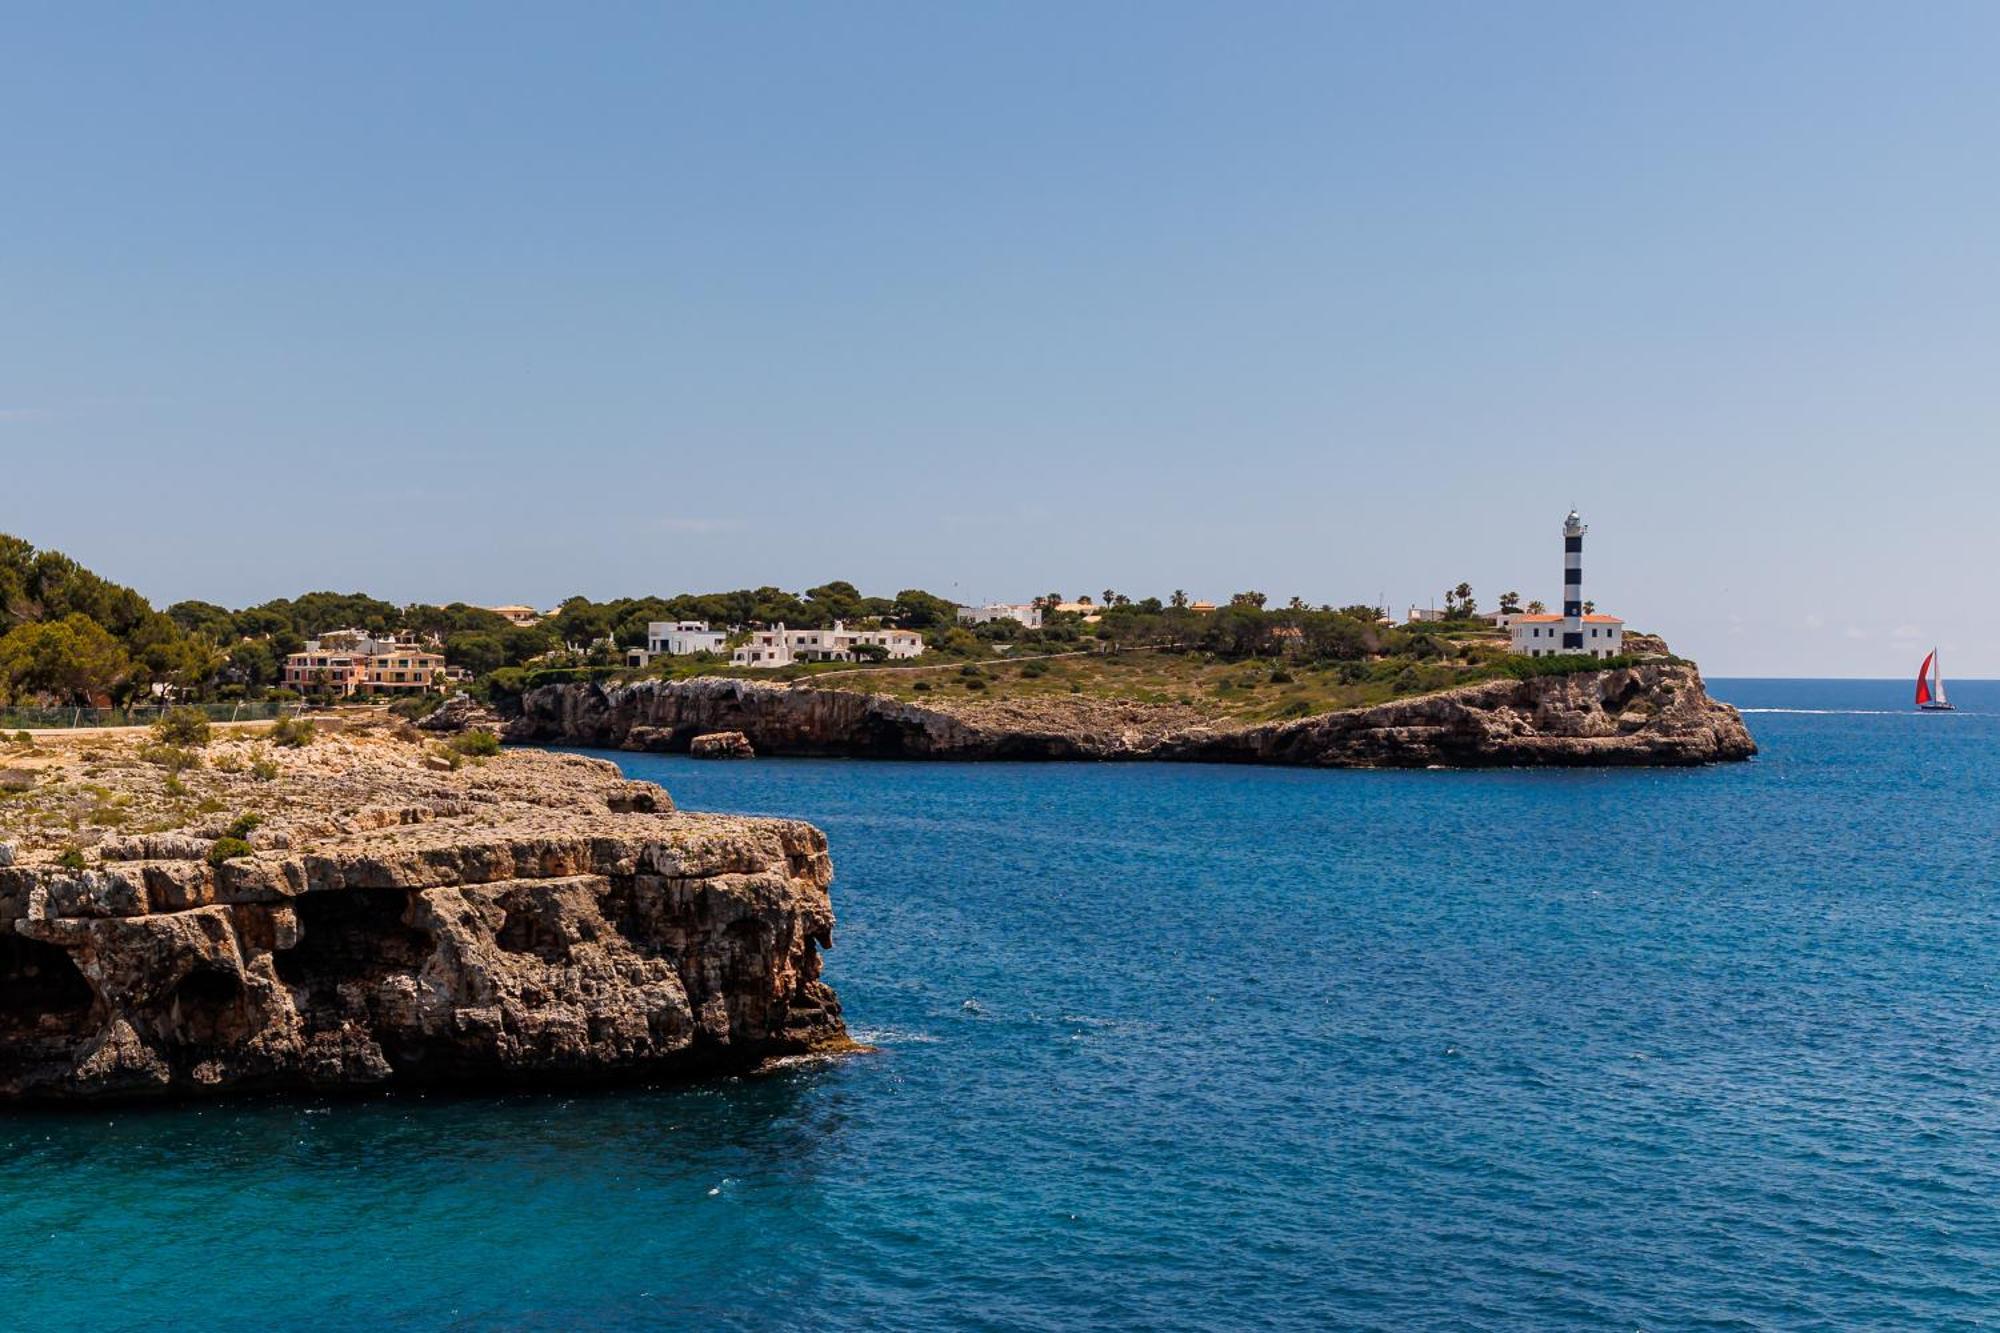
x: 1161, y: 1047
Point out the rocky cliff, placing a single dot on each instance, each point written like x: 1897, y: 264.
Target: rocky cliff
x: 1651, y: 714
x: 531, y: 918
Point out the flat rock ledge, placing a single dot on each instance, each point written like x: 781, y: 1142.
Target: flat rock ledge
x: 1651, y: 714
x: 555, y: 924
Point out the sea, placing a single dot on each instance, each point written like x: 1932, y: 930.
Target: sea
x: 1162, y: 1047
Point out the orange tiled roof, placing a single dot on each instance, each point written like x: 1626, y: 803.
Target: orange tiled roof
x: 1546, y: 620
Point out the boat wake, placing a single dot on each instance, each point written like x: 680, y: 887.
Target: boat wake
x: 1832, y: 712
x: 1856, y: 712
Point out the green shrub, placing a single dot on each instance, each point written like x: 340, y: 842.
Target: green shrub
x: 182, y: 726
x: 170, y: 757
x: 922, y: 687
x: 263, y: 768
x: 1033, y: 669
x: 414, y: 706
x: 1280, y: 676
x: 244, y: 825
x: 1563, y: 664
x: 71, y: 858
x: 228, y: 849
x: 975, y: 683
x: 476, y: 744
x: 24, y: 739
x: 291, y: 732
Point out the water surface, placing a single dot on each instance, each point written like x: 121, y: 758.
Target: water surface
x: 1169, y: 1046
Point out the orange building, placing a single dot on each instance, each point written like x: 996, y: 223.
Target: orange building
x: 349, y: 662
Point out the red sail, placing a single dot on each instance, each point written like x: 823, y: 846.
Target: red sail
x: 1924, y: 680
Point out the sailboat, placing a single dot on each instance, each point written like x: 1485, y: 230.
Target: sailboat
x: 1930, y: 687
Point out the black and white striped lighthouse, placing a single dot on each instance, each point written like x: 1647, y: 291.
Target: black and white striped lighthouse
x: 1573, y: 530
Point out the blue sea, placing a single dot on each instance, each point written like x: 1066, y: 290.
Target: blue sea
x: 1176, y: 1047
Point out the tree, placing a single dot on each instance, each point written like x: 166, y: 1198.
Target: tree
x: 74, y: 658
x: 1590, y: 608
x: 1253, y: 600
x: 919, y: 610
x: 1296, y: 604
x: 1180, y: 600
x: 1538, y: 608
x: 1510, y: 602
x: 838, y: 600
x: 1459, y: 602
x: 477, y: 653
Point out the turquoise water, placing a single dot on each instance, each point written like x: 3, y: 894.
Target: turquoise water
x: 1175, y: 1046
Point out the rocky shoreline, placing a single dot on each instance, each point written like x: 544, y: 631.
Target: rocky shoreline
x: 1652, y: 714
x: 394, y: 921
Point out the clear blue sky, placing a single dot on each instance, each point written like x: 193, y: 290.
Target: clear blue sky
x: 504, y: 303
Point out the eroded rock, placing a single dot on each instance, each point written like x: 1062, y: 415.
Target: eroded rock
x: 1650, y: 714
x: 570, y: 927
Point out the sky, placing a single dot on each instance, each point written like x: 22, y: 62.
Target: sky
x: 504, y: 303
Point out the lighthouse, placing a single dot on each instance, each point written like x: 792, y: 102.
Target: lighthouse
x: 1572, y: 631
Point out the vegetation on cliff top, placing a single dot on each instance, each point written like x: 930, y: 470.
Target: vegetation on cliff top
x: 77, y: 639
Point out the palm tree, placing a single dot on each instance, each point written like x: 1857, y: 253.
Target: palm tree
x: 1179, y: 600
x: 1510, y: 602
x: 1537, y: 609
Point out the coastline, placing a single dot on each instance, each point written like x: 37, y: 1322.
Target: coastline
x: 1652, y: 714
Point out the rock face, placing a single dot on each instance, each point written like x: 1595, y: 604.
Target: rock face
x: 1651, y: 714
x: 461, y: 712
x: 590, y: 933
x: 722, y: 745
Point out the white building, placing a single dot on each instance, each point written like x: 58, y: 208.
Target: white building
x: 1028, y: 614
x: 1542, y: 636
x: 778, y: 646
x: 679, y: 638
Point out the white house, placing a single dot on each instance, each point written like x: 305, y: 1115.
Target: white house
x: 679, y: 638
x: 1542, y: 636
x: 1028, y: 614
x: 777, y: 646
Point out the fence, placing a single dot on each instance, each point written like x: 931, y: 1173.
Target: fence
x: 32, y: 719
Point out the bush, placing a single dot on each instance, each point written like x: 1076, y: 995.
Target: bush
x: 263, y: 768
x: 228, y: 849
x: 476, y: 744
x: 1281, y: 677
x: 182, y: 726
x: 71, y: 858
x: 1563, y: 664
x: 922, y: 687
x: 25, y: 740
x: 414, y: 706
x: 170, y: 757
x: 975, y: 683
x: 244, y: 825
x: 1031, y: 670
x: 291, y: 732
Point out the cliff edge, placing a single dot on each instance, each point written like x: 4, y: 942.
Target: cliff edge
x: 530, y: 918
x: 1654, y: 713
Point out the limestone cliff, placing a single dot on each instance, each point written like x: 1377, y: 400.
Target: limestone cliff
x: 1650, y: 714
x: 532, y: 919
